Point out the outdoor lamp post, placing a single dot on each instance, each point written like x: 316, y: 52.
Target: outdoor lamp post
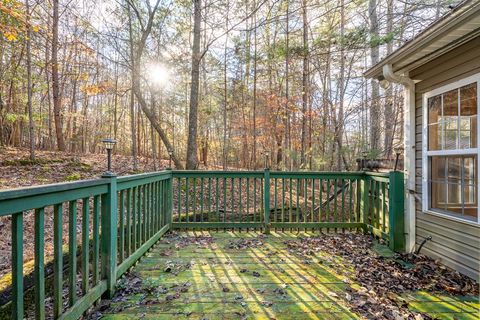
x: 170, y: 156
x: 398, y: 152
x: 266, y: 155
x: 364, y: 160
x: 109, y: 143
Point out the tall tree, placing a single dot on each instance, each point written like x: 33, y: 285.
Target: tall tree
x: 375, y: 96
x: 57, y: 98
x: 192, y: 159
x: 31, y: 128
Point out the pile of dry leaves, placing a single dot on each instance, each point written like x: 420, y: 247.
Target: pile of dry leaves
x: 246, y: 243
x: 182, y: 241
x: 383, y: 279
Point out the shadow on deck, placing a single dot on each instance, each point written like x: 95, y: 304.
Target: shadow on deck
x: 231, y: 275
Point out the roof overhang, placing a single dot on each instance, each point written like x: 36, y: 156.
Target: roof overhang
x: 461, y: 25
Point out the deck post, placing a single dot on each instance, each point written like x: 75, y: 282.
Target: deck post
x: 170, y: 200
x: 109, y: 235
x: 396, y: 209
x: 364, y: 203
x: 266, y: 199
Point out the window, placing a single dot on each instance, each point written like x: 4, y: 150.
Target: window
x: 451, y: 151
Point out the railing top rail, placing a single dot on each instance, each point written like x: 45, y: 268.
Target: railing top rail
x: 320, y: 174
x: 216, y: 173
x: 377, y: 174
x: 23, y: 192
x: 144, y: 175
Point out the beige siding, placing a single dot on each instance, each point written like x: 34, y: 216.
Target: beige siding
x: 455, y: 244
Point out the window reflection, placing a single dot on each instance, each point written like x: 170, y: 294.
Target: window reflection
x: 453, y: 184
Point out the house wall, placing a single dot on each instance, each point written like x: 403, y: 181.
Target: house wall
x: 454, y: 243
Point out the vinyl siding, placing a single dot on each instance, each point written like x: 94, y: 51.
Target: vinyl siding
x: 454, y: 243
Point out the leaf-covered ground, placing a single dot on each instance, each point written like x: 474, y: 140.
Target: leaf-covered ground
x: 226, y: 275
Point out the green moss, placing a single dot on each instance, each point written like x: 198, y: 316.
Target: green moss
x: 73, y: 177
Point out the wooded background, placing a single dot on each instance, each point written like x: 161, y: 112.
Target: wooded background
x: 220, y: 83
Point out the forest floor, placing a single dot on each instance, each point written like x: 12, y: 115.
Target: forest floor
x: 248, y: 275
x: 16, y: 170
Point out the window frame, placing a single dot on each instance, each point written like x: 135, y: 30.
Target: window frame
x: 426, y: 153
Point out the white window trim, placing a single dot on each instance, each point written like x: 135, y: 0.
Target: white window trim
x: 426, y: 153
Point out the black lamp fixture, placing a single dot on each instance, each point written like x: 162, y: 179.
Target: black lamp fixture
x: 398, y: 152
x: 364, y: 159
x: 170, y: 156
x: 266, y: 155
x: 109, y: 143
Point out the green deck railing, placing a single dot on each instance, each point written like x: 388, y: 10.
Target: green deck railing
x: 121, y: 218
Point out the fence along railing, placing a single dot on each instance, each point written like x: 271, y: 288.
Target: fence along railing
x: 314, y: 200
x: 120, y: 219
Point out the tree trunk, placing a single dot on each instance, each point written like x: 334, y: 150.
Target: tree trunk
x: 374, y: 56
x: 304, y: 85
x: 132, y: 94
x: 29, y: 87
x: 192, y: 160
x: 57, y: 99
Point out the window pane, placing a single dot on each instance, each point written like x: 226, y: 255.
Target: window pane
x: 435, y: 136
x: 454, y: 197
x: 470, y: 210
x: 454, y: 169
x: 437, y: 195
x: 451, y: 134
x: 437, y: 172
x: 453, y: 183
x: 468, y: 115
x: 450, y: 105
x: 434, y: 109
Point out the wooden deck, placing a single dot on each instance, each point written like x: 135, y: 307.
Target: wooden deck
x: 225, y: 275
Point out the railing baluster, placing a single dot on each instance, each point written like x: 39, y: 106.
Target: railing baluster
x: 232, y: 218
x: 201, y: 198
x: 39, y: 264
x: 335, y: 202
x: 96, y: 239
x: 248, y: 201
x: 224, y: 199
x: 350, y: 200
x: 327, y: 211
x: 187, y: 213
x: 305, y: 200
x: 58, y: 259
x: 121, y: 216
x: 129, y: 223
x: 179, y: 199
x: 283, y: 200
x: 312, y: 211
x: 85, y: 243
x: 17, y: 266
x: 194, y: 204
x: 240, y: 213
x: 209, y: 198
x: 275, y: 199
x: 298, y: 211
x: 72, y: 252
x: 343, y: 202
x: 135, y: 218
x: 320, y: 200
x: 255, y: 199
x: 290, y: 217
x: 217, y: 199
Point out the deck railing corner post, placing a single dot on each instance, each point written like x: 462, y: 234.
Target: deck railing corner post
x: 170, y: 200
x: 266, y: 200
x: 364, y: 203
x: 109, y: 235
x: 396, y: 211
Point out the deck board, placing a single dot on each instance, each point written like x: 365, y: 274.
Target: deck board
x: 211, y: 280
